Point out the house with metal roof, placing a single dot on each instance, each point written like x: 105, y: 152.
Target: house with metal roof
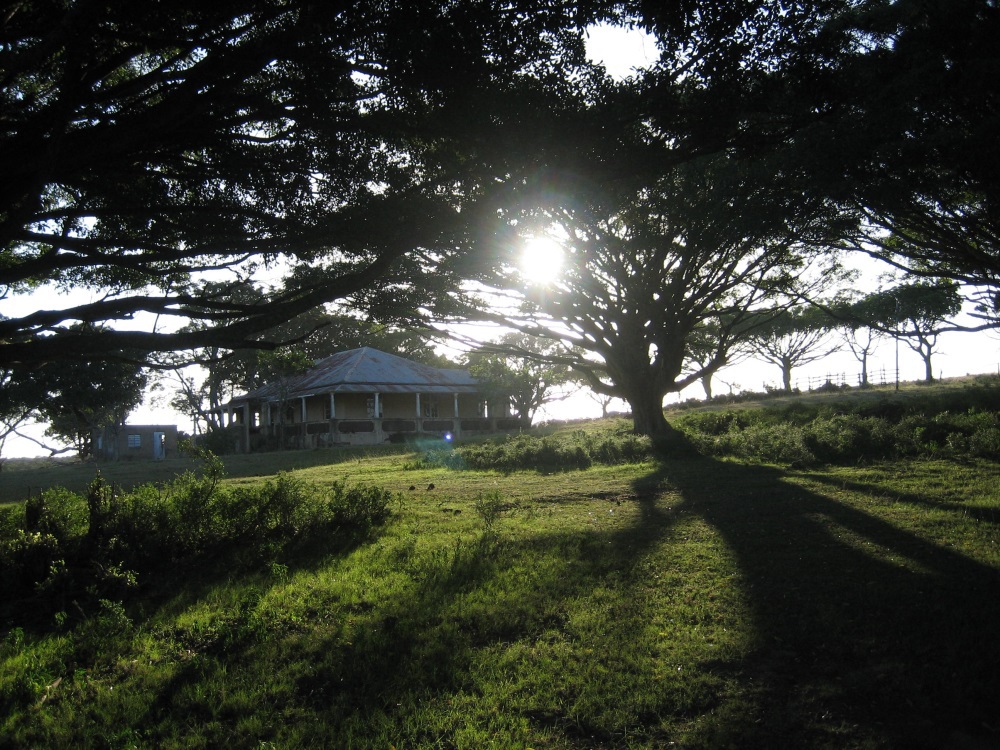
x: 365, y: 397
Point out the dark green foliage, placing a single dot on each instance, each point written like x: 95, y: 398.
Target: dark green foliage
x: 515, y: 370
x: 84, y: 550
x: 941, y: 425
x: 221, y: 441
x: 576, y: 450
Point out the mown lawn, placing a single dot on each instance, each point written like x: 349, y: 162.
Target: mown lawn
x: 694, y: 601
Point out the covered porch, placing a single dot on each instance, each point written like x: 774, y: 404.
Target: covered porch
x: 344, y: 418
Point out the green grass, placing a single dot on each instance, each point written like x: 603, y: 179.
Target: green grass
x: 701, y: 601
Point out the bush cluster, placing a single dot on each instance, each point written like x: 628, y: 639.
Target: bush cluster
x: 574, y: 450
x: 62, y: 548
x: 825, y: 436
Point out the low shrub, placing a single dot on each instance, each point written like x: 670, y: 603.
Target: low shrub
x: 489, y: 506
x: 800, y: 436
x: 85, y: 549
x: 575, y: 450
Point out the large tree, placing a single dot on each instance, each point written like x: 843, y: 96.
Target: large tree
x: 647, y: 269
x: 933, y: 98
x: 889, y: 109
x: 144, y: 146
x: 696, y: 201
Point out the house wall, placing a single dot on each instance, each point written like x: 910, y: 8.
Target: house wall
x: 351, y: 405
x: 315, y: 408
x: 136, y: 442
x: 399, y: 405
x: 468, y: 405
x: 394, y: 406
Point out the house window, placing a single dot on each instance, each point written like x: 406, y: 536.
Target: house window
x: 430, y: 407
x: 135, y: 441
x: 290, y: 414
x: 327, y: 414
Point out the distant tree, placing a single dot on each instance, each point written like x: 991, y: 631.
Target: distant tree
x: 518, y: 369
x: 277, y: 368
x: 792, y: 338
x: 189, y: 399
x: 320, y: 333
x: 862, y: 341
x: 860, y: 328
x: 602, y: 400
x: 914, y: 313
x: 84, y: 397
x: 704, y: 344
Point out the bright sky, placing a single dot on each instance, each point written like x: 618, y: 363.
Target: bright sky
x: 622, y: 51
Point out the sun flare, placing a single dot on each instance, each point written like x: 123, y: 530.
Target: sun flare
x: 541, y: 260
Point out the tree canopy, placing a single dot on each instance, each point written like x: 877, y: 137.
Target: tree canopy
x: 647, y: 268
x: 148, y: 147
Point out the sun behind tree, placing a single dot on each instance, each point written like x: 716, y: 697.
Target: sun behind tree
x: 541, y: 260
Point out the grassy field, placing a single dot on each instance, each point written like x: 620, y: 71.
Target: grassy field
x: 690, y: 602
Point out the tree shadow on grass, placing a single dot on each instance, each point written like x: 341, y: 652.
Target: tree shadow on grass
x: 472, y: 612
x: 470, y: 618
x: 976, y: 512
x: 864, y: 630
x: 863, y: 634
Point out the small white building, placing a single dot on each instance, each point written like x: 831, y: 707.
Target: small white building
x: 365, y: 397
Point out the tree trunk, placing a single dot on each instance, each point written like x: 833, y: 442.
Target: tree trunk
x: 648, y: 419
x: 786, y: 376
x: 706, y: 383
x: 928, y: 370
x: 647, y: 416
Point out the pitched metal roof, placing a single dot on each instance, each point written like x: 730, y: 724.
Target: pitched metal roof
x: 367, y: 370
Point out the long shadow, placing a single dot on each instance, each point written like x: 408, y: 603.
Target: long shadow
x: 380, y: 659
x: 975, y: 512
x: 863, y: 632
x: 423, y: 646
x: 862, y: 628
